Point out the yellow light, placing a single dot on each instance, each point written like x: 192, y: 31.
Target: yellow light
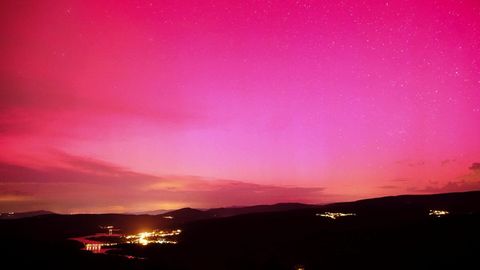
x: 438, y: 213
x: 143, y: 241
x: 335, y: 215
x: 145, y: 238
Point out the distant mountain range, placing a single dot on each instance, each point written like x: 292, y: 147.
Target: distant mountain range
x: 15, y: 215
x: 152, y: 212
x: 185, y: 213
x: 395, y: 232
x: 191, y: 214
x: 446, y: 200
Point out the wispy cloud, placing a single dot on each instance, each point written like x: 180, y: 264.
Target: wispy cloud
x: 466, y: 182
x: 475, y: 167
x: 458, y: 186
x: 447, y: 162
x: 85, y: 184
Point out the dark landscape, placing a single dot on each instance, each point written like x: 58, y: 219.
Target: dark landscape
x: 385, y: 233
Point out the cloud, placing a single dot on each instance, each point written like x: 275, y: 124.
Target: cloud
x: 465, y: 182
x: 12, y: 198
x: 446, y: 162
x: 85, y: 164
x: 452, y: 186
x: 39, y: 94
x: 84, y: 185
x: 475, y: 167
x: 416, y: 164
x: 34, y: 107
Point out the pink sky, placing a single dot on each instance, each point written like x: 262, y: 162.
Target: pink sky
x: 114, y: 106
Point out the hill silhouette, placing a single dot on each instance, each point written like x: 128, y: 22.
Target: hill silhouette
x: 391, y: 232
x: 15, y: 215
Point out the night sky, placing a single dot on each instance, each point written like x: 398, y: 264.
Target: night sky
x: 122, y: 106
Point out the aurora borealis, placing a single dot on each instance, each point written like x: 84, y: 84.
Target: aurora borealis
x: 122, y: 106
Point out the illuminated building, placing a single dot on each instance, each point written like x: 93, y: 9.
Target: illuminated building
x: 157, y: 237
x: 109, y: 228
x: 144, y: 238
x: 438, y: 213
x: 335, y: 215
x: 95, y: 248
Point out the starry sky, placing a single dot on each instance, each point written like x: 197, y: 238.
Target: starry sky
x: 124, y: 106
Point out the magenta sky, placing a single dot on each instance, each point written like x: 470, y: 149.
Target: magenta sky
x: 141, y: 105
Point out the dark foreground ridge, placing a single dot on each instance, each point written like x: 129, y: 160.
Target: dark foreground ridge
x: 401, y: 232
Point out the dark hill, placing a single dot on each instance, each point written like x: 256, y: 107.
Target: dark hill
x: 386, y: 233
